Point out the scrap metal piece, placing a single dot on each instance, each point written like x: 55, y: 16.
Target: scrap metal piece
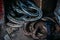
x: 6, y: 37
x: 15, y: 25
x: 57, y: 14
x: 40, y: 29
x: 24, y: 12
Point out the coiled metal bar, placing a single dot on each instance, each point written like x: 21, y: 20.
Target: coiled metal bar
x: 27, y: 9
x: 24, y: 12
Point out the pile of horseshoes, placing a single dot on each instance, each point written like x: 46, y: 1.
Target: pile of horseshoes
x: 24, y: 11
x: 29, y: 11
x: 40, y: 29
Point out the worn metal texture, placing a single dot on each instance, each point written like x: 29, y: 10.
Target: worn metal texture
x: 40, y: 29
x: 24, y: 11
x: 57, y: 12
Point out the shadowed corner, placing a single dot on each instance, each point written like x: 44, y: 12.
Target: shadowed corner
x: 1, y: 18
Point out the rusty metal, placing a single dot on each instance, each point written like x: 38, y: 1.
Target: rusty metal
x: 40, y: 29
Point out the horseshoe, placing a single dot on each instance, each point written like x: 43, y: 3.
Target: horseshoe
x: 20, y: 12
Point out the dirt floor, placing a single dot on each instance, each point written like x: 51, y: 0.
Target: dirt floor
x: 21, y: 36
